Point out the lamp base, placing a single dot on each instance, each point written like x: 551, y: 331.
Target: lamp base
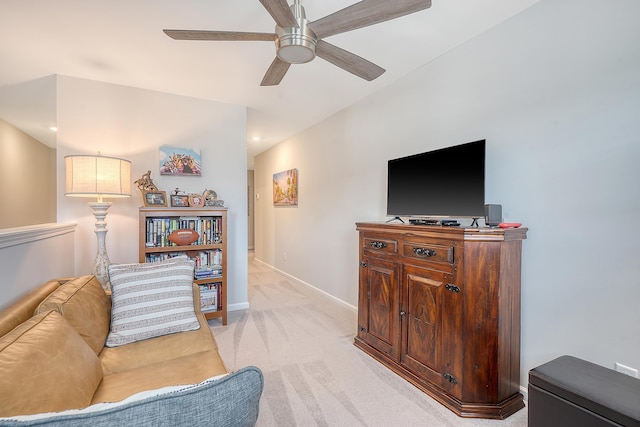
x: 101, y: 265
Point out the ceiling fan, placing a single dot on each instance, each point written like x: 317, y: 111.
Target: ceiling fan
x: 299, y: 41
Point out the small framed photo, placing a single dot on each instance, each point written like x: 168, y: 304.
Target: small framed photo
x: 154, y: 198
x: 179, y: 201
x: 196, y: 200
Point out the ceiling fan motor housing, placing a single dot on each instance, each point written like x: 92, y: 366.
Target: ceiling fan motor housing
x: 296, y: 45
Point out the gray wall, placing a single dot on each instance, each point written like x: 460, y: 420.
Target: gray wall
x: 250, y: 212
x: 27, y: 187
x: 555, y: 91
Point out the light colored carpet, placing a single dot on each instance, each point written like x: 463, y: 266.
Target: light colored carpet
x: 314, y: 375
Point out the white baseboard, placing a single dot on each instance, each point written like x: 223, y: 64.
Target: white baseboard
x: 525, y: 393
x: 238, y: 306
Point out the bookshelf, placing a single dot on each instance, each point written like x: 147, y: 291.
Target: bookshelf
x: 209, y: 251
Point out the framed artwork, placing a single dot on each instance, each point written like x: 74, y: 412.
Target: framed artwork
x: 196, y: 200
x: 179, y: 201
x: 285, y: 188
x: 180, y: 161
x: 154, y: 198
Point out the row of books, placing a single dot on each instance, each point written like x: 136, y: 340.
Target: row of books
x: 158, y: 230
x: 161, y: 256
x: 208, y: 258
x: 208, y: 272
x: 210, y: 297
x: 207, y: 263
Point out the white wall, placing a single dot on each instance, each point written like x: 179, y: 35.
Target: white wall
x: 556, y: 93
x: 133, y: 123
x: 33, y: 255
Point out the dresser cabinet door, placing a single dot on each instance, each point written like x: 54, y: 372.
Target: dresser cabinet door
x: 430, y: 327
x: 379, y: 306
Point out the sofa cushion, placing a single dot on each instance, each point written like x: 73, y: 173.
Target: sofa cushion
x: 22, y: 309
x: 84, y: 304
x: 232, y: 400
x: 151, y: 300
x: 189, y: 369
x: 158, y: 349
x: 46, y: 366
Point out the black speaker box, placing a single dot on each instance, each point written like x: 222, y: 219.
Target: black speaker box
x: 492, y: 215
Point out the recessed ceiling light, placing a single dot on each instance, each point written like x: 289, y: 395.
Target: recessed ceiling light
x: 53, y: 129
x: 255, y: 138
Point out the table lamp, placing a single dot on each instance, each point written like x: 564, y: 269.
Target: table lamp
x: 101, y: 177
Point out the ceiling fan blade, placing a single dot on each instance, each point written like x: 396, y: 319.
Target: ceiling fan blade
x: 365, y: 13
x: 280, y: 12
x: 348, y: 61
x: 218, y: 35
x: 275, y: 73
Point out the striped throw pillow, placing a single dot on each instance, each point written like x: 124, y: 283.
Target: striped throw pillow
x: 150, y: 300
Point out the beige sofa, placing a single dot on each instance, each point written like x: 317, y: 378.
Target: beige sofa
x: 53, y: 355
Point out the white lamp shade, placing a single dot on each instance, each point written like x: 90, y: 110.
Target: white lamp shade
x: 89, y: 176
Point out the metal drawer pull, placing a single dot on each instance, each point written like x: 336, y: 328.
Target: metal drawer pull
x: 424, y: 252
x: 447, y: 376
x: 452, y: 288
x: 378, y: 245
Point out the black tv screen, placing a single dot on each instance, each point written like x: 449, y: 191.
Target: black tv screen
x: 448, y: 182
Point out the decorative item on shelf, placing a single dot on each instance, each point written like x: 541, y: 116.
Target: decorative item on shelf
x: 179, y: 199
x: 102, y: 177
x: 211, y: 198
x: 183, y: 236
x: 196, y: 200
x: 151, y: 196
x: 154, y: 198
x: 146, y: 183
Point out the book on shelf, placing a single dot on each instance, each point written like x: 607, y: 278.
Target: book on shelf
x: 210, y: 297
x: 208, y: 264
x: 208, y: 272
x: 163, y: 256
x: 209, y: 258
x: 209, y: 230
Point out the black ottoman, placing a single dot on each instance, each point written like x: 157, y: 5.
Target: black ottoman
x: 568, y: 391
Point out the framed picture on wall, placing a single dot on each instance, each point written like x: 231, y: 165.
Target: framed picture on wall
x: 180, y: 161
x: 154, y: 198
x: 285, y: 188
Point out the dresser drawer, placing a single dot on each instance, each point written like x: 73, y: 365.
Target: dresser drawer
x: 373, y: 244
x: 443, y: 253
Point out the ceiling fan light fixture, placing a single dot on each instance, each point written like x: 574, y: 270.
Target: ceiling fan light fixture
x: 296, y: 53
x: 296, y: 45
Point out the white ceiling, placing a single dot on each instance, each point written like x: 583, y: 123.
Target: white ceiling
x: 121, y: 42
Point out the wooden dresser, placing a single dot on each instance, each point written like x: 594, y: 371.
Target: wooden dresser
x: 440, y: 306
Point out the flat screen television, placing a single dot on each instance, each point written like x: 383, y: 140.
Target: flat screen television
x: 448, y: 182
